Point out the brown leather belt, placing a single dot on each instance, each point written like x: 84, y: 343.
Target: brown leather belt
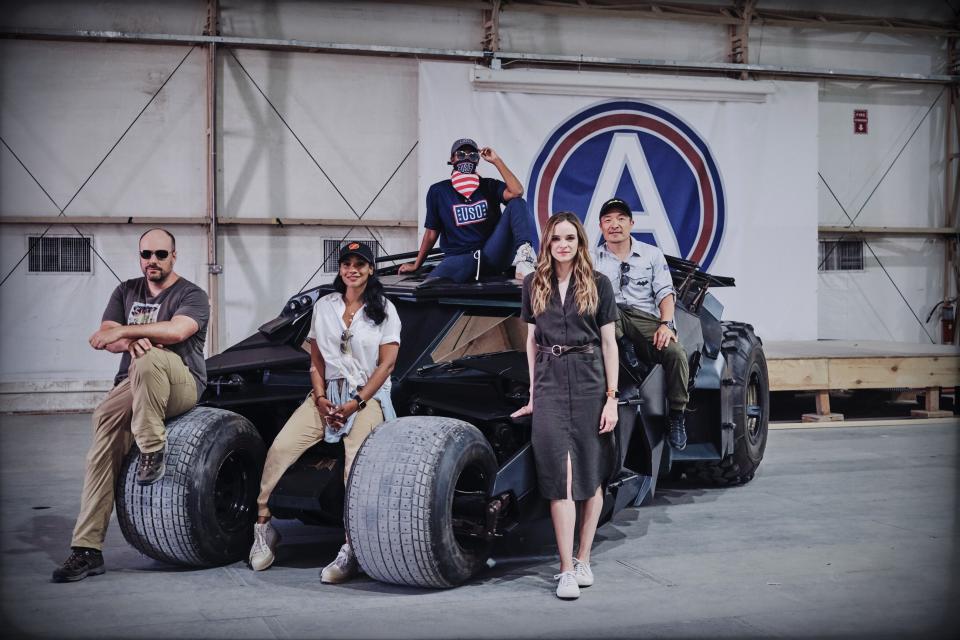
x: 562, y: 349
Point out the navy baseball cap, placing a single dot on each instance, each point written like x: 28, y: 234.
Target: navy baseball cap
x: 354, y: 248
x: 615, y: 204
x: 463, y: 142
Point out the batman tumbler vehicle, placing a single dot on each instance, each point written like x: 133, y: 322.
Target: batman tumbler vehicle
x: 433, y: 491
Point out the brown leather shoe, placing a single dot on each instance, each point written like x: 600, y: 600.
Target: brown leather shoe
x: 150, y: 467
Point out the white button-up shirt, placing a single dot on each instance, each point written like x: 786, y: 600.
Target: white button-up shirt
x: 357, y: 366
x: 649, y: 279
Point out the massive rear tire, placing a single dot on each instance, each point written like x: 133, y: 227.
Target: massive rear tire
x: 201, y: 512
x: 400, y: 500
x: 744, y: 402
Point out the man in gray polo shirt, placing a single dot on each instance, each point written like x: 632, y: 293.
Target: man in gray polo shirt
x: 644, y: 292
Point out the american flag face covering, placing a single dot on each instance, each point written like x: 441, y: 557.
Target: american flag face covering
x: 465, y: 183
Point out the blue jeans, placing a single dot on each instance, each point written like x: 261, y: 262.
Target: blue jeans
x: 514, y: 228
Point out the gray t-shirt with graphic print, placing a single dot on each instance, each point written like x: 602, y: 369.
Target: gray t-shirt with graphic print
x: 131, y: 303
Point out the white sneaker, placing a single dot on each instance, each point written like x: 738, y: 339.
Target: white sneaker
x: 567, y: 589
x: 265, y: 541
x: 583, y: 573
x: 525, y: 261
x: 343, y: 568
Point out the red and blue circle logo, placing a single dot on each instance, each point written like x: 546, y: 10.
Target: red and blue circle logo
x: 644, y: 155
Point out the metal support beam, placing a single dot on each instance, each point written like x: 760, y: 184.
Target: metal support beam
x: 514, y: 58
x: 214, y: 269
x: 204, y: 220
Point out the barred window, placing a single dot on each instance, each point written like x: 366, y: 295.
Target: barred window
x: 841, y: 255
x: 331, y: 251
x: 59, y: 254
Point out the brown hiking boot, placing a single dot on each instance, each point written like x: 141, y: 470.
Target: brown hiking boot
x: 150, y: 467
x: 82, y: 562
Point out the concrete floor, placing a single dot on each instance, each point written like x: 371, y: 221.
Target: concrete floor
x: 844, y: 532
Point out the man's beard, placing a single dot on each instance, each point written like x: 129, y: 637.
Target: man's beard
x: 158, y: 275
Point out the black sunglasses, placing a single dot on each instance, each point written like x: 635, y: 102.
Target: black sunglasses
x: 472, y: 156
x: 160, y: 253
x: 624, y: 278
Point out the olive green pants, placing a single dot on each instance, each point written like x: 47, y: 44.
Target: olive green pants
x: 303, y: 430
x: 158, y: 386
x: 639, y: 327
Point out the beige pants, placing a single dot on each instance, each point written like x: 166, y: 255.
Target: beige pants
x: 159, y: 386
x: 303, y: 430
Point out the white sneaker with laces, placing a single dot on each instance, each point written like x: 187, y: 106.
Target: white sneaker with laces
x: 567, y: 588
x: 343, y: 568
x: 525, y: 261
x: 265, y: 541
x: 583, y: 573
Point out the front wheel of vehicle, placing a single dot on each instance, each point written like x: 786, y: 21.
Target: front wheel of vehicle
x: 201, y: 512
x: 412, y: 480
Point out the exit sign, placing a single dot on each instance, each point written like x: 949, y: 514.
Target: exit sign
x: 860, y: 121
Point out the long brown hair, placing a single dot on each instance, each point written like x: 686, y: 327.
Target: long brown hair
x: 542, y: 286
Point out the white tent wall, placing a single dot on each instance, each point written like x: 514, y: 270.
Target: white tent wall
x: 62, y: 104
x: 891, y: 177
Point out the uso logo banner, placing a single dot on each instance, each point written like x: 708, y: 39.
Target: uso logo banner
x: 647, y: 156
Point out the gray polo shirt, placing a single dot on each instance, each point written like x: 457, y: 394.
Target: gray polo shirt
x: 649, y: 279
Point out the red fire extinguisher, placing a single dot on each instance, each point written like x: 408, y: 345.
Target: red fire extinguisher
x: 948, y: 318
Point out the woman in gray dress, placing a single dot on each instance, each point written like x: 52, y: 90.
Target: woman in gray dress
x: 572, y: 356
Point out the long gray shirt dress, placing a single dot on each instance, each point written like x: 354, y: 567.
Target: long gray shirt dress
x: 569, y: 392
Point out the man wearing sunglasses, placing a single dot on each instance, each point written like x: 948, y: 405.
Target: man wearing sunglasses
x: 464, y: 213
x: 159, y: 324
x: 644, y: 292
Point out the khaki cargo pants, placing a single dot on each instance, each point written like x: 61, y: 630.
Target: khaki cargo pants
x: 304, y: 429
x: 639, y: 327
x: 158, y: 386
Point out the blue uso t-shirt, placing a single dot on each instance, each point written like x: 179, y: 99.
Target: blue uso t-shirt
x: 464, y: 224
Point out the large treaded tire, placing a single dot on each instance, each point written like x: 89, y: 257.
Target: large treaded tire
x: 201, y: 512
x: 400, y: 500
x: 744, y: 404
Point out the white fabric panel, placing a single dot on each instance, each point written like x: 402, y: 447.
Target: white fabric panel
x: 911, y: 194
x: 809, y: 47
x: 372, y: 23
x: 864, y: 305
x: 47, y: 318
x: 134, y: 16
x: 537, y: 31
x: 356, y: 115
x: 264, y: 267
x: 64, y: 105
x: 769, y: 244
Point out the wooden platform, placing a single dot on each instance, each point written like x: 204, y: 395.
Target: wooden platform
x: 825, y: 365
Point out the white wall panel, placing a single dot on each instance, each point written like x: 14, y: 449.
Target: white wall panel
x: 356, y: 115
x: 264, y: 267
x: 853, y: 164
x: 864, y: 305
x: 373, y: 23
x: 64, y: 105
x: 135, y: 16
x: 611, y: 36
x: 840, y: 50
x: 47, y: 318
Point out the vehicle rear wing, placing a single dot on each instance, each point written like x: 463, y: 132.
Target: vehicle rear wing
x: 691, y: 282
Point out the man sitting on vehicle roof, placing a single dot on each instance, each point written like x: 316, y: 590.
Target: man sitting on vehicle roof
x: 464, y: 213
x: 644, y: 293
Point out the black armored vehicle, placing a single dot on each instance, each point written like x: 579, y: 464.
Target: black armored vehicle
x: 433, y: 491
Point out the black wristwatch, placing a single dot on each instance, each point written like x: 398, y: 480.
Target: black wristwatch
x: 360, y: 401
x: 670, y: 325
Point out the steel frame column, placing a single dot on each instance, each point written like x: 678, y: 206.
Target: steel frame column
x: 739, y: 44
x: 951, y: 175
x: 214, y: 269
